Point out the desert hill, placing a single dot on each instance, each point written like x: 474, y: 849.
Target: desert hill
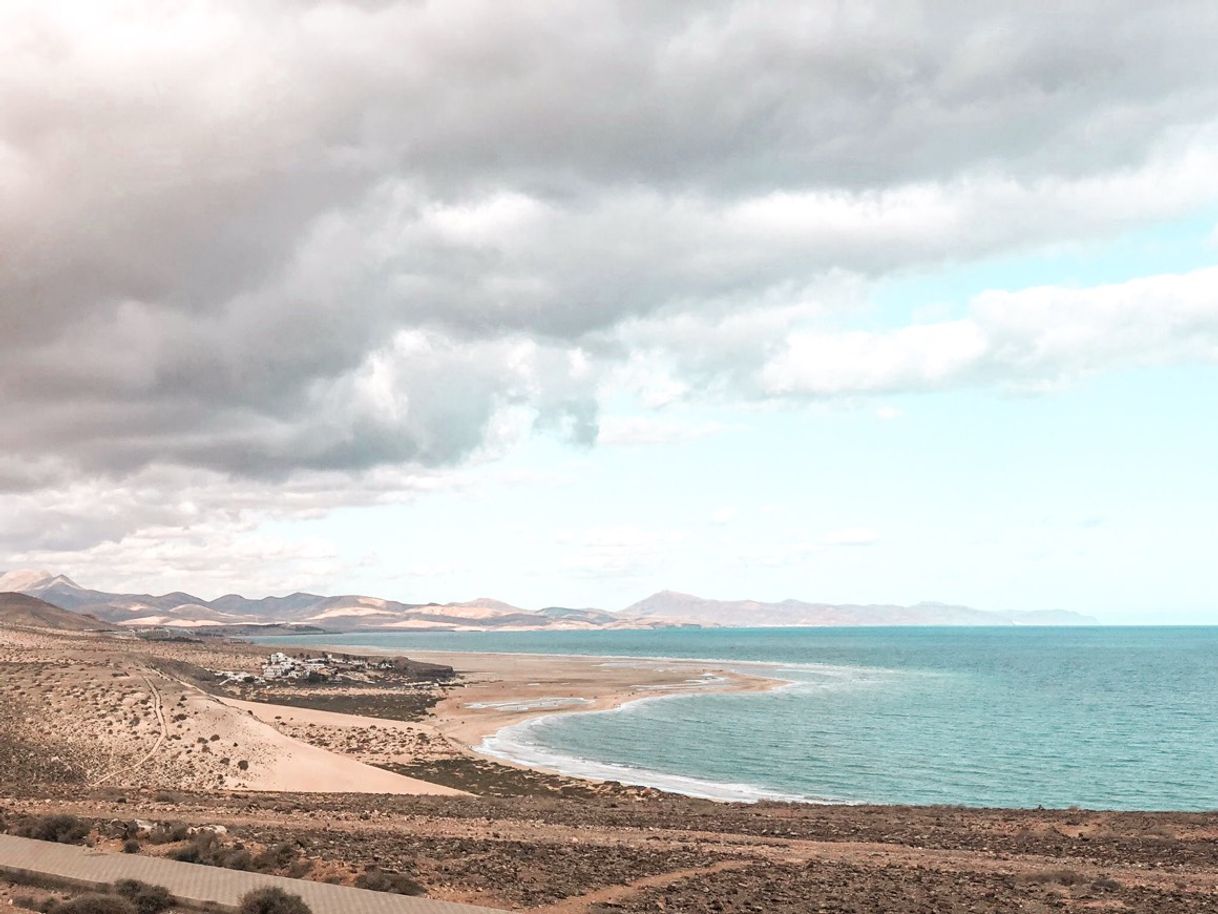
x: 22, y: 609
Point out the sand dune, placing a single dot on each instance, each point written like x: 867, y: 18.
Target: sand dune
x: 291, y: 765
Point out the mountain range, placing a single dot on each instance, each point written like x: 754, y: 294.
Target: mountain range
x: 683, y: 607
x: 354, y: 612
x: 350, y: 612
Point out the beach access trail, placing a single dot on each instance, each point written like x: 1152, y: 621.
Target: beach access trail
x: 199, y: 887
x: 158, y: 707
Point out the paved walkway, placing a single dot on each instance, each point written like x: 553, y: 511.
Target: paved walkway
x: 200, y: 886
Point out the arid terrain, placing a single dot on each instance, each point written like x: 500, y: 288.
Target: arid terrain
x: 136, y: 740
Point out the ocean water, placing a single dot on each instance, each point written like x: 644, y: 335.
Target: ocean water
x: 1104, y: 718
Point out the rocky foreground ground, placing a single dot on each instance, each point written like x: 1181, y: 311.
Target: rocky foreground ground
x: 602, y: 854
x: 76, y: 710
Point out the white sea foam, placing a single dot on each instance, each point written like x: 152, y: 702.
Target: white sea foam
x: 701, y: 682
x: 519, y: 743
x: 513, y: 744
x: 530, y: 704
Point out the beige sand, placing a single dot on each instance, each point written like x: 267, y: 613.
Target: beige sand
x: 288, y: 764
x: 505, y: 689
x: 95, y: 704
x: 123, y: 721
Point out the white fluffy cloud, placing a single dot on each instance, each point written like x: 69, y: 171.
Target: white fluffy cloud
x: 249, y: 247
x: 1025, y: 339
x: 211, y: 555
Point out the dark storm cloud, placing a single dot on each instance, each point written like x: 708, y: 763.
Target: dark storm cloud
x: 332, y: 236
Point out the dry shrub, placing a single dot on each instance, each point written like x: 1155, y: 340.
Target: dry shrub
x: 273, y: 901
x: 62, y: 828
x: 379, y: 880
x: 95, y: 904
x: 147, y: 899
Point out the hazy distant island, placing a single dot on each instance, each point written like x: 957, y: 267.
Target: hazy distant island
x: 235, y: 614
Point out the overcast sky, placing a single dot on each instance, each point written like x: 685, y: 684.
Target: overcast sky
x: 564, y: 303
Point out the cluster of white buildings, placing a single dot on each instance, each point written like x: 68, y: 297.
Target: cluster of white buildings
x: 280, y: 666
x: 327, y: 667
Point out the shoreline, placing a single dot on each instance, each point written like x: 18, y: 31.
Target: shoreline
x: 504, y: 747
x: 504, y: 693
x: 502, y: 690
x: 504, y: 705
x: 500, y: 693
x: 338, y: 647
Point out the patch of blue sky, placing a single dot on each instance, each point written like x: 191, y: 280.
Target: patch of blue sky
x: 944, y: 291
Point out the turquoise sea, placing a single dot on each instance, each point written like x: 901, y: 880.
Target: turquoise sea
x: 1105, y: 718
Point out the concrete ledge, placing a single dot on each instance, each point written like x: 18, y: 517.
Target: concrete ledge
x: 203, y: 888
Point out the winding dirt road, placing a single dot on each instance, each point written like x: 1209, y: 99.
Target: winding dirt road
x: 158, y: 709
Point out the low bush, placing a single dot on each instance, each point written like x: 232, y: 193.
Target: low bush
x: 95, y: 904
x: 131, y: 846
x: 61, y: 828
x: 207, y: 849
x: 276, y: 857
x: 169, y: 833
x: 273, y: 901
x: 379, y: 880
x: 147, y: 899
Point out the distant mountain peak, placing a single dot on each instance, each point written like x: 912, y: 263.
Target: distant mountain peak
x: 665, y: 596
x: 23, y: 579
x: 487, y: 603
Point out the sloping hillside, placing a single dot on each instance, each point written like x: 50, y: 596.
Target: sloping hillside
x: 21, y: 609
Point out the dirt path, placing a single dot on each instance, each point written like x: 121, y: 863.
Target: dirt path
x: 580, y: 904
x: 159, y: 710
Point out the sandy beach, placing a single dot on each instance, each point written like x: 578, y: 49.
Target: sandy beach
x: 497, y: 691
x: 506, y: 689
